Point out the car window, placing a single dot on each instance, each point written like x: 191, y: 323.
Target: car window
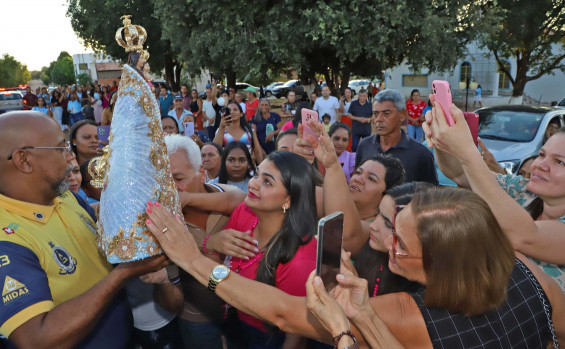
x: 516, y: 126
x: 10, y: 96
x: 562, y: 103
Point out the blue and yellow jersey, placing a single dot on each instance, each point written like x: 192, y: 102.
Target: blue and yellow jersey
x: 48, y: 255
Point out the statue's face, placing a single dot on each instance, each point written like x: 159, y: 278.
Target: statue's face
x: 140, y: 62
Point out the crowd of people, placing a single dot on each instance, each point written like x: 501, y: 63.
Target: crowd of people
x: 422, y: 265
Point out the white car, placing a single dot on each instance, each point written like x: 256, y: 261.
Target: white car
x: 358, y: 85
x: 10, y: 101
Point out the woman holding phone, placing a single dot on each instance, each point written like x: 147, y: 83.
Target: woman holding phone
x: 498, y: 287
x: 234, y: 127
x: 531, y: 212
x: 279, y: 218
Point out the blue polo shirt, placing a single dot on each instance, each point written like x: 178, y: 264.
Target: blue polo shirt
x: 417, y: 160
x: 362, y: 111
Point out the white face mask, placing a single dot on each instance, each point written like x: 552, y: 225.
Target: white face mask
x: 221, y: 101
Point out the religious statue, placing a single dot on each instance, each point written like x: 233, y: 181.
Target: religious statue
x: 135, y: 166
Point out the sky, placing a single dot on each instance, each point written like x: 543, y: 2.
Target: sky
x: 36, y: 31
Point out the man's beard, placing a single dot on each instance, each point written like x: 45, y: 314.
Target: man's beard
x: 62, y: 185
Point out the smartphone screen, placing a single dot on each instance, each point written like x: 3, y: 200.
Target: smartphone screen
x: 103, y: 134
x: 189, y: 129
x: 328, y: 259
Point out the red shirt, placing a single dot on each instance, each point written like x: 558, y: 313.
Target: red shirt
x: 30, y: 100
x: 251, y: 109
x: 414, y: 112
x: 290, y: 277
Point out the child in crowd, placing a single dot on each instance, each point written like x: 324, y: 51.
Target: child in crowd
x: 326, y: 118
x: 87, y: 109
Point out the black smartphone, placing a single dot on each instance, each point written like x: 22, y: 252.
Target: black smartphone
x: 328, y: 259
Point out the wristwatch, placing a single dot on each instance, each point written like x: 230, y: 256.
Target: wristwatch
x: 218, y: 274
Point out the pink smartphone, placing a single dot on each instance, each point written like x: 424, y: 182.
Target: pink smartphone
x: 473, y: 122
x: 308, y: 114
x: 442, y: 95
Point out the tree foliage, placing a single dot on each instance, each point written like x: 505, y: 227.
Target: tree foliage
x: 334, y: 38
x: 96, y: 23
x: 61, y: 71
x: 12, y: 72
x: 84, y: 79
x: 532, y: 32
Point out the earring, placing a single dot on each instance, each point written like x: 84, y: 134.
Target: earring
x: 284, y: 209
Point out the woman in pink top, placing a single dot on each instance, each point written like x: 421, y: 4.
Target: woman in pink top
x: 274, y: 229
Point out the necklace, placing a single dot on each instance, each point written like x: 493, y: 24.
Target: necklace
x: 377, y: 282
x: 242, y: 266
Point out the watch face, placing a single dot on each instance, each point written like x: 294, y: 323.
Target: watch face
x: 220, y: 272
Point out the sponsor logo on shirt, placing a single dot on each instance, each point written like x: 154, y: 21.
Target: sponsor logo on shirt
x: 64, y: 260
x: 13, y: 289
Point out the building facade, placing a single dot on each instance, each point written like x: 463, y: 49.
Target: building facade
x: 480, y: 67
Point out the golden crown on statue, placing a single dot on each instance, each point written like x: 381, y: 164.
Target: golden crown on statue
x: 131, y: 36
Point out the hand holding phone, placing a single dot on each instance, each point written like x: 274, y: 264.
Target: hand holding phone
x: 189, y: 129
x: 308, y: 114
x: 442, y: 95
x: 328, y: 258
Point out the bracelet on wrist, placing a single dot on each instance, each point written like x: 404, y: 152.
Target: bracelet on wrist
x: 348, y: 333
x: 204, y: 249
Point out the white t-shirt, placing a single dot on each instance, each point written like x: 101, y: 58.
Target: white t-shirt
x: 243, y: 107
x: 329, y: 106
x: 208, y: 108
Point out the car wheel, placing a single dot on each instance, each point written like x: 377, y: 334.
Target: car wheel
x: 268, y: 94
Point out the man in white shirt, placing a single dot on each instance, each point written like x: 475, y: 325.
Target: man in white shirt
x: 327, y: 105
x: 209, y: 112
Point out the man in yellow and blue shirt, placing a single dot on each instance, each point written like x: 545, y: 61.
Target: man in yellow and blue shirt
x: 57, y: 290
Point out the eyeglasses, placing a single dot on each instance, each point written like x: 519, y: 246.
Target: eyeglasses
x: 395, y: 252
x: 66, y: 148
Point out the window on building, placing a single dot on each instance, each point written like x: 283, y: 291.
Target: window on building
x: 503, y: 81
x: 83, y: 66
x: 465, y: 72
x: 415, y: 80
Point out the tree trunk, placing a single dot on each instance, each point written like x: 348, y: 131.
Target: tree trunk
x: 329, y: 79
x: 176, y: 83
x: 230, y: 76
x: 169, y: 70
x: 344, y: 79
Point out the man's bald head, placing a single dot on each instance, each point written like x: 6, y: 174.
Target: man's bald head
x: 25, y: 128
x: 27, y: 173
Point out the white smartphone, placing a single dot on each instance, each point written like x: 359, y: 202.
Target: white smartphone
x: 189, y: 129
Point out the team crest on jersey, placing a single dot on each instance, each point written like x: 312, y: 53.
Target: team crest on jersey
x: 88, y: 222
x: 10, y: 229
x: 13, y: 289
x: 64, y: 260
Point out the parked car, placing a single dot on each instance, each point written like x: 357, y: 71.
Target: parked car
x: 358, y: 85
x: 269, y: 88
x: 10, y: 101
x: 561, y: 104
x: 513, y: 133
x: 290, y: 85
